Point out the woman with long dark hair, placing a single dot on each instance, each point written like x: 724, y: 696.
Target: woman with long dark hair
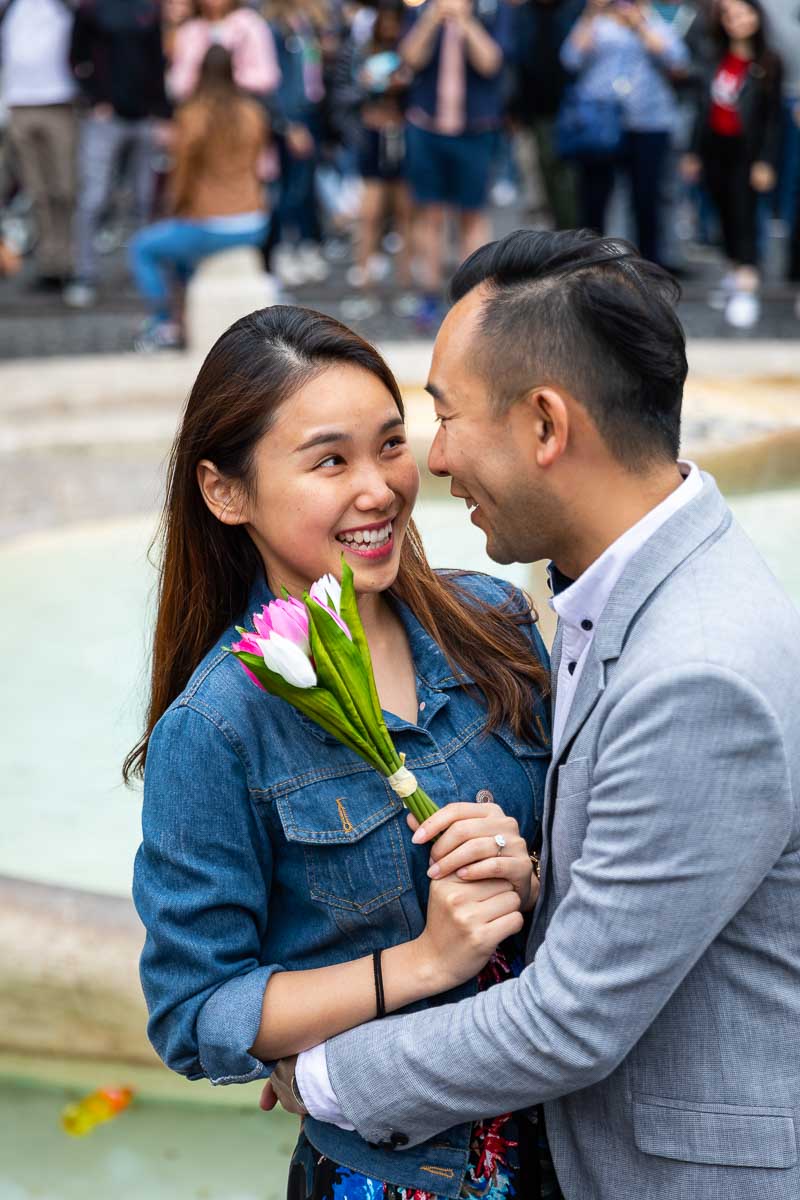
x: 736, y: 145
x: 216, y: 197
x: 276, y: 867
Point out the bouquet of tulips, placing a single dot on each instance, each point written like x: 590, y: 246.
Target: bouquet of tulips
x: 314, y: 654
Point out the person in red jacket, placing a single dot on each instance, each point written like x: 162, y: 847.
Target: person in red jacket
x: 736, y: 145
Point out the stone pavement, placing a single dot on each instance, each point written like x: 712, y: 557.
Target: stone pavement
x: 34, y: 326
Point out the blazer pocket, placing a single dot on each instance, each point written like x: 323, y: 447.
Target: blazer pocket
x: 728, y: 1135
x: 573, y: 778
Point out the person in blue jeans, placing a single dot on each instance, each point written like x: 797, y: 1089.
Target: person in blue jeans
x: 277, y: 878
x: 454, y: 111
x: 216, y: 195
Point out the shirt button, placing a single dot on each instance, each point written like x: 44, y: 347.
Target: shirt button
x: 422, y: 706
x: 484, y: 796
x: 587, y: 624
x: 571, y: 667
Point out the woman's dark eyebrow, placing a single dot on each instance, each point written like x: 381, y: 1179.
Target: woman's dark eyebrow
x: 323, y: 439
x: 329, y: 436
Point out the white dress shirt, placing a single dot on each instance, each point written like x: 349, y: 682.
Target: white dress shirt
x: 34, y: 42
x: 579, y: 608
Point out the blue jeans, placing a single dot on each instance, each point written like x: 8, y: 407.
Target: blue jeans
x: 168, y: 252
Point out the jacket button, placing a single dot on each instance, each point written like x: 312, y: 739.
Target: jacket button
x: 484, y: 796
x: 399, y: 1139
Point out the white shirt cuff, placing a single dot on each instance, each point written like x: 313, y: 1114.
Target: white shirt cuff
x: 313, y: 1081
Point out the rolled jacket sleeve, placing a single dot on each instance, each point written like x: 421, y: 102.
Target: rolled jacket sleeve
x: 201, y: 887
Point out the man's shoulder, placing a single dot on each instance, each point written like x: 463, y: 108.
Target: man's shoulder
x: 722, y: 606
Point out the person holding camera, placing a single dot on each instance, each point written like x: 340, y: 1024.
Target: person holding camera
x: 622, y: 52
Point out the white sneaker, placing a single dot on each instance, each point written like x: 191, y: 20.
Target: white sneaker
x: 393, y: 242
x: 287, y: 266
x: 312, y: 263
x: 356, y: 276
x: 743, y: 310
x: 504, y: 193
x: 359, y: 308
x: 719, y: 297
x: 79, y: 294
x: 405, y: 305
x: 379, y: 267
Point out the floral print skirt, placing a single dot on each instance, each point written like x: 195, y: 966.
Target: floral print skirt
x: 509, y: 1157
x: 508, y: 1160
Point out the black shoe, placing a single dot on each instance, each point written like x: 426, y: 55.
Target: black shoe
x: 45, y: 284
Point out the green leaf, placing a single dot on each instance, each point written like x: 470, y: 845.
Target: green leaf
x: 330, y: 647
x: 316, y: 703
x: 352, y: 619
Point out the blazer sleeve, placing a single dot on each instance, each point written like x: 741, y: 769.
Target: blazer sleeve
x: 690, y: 807
x: 201, y: 888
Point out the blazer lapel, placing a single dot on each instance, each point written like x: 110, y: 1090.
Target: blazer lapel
x: 704, y: 517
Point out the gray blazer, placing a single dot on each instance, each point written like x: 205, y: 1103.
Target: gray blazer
x: 660, y: 1022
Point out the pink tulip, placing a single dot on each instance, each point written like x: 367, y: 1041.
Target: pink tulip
x: 288, y: 618
x: 250, y: 646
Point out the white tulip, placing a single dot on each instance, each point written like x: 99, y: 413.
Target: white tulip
x: 287, y: 660
x: 327, y: 591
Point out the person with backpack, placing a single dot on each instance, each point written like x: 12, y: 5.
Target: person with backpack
x: 623, y: 56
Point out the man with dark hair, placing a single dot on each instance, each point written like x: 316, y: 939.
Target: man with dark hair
x: 117, y: 58
x: 657, y: 1024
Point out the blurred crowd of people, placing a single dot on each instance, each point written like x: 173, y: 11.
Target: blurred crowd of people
x: 283, y: 124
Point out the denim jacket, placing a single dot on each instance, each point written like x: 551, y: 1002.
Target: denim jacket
x: 268, y: 846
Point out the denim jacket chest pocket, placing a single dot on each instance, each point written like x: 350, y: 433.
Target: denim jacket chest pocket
x: 347, y: 823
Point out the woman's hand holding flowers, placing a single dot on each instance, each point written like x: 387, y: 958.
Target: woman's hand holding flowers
x: 465, y: 843
x: 466, y: 922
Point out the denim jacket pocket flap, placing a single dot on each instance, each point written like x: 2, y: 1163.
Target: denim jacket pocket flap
x: 337, y: 811
x: 729, y: 1135
x: 349, y: 829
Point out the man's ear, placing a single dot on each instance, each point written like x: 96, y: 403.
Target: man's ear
x: 551, y: 424
x: 223, y: 496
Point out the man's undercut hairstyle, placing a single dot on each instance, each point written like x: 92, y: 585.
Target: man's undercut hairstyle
x: 588, y: 314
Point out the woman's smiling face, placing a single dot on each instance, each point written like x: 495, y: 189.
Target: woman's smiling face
x: 334, y: 474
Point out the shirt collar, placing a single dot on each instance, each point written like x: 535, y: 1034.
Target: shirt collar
x: 580, y: 604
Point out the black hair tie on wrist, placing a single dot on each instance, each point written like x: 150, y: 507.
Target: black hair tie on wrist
x: 379, y: 996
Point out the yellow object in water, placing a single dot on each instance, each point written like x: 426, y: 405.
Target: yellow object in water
x: 103, y: 1105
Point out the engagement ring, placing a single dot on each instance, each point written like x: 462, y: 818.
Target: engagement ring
x: 500, y: 842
